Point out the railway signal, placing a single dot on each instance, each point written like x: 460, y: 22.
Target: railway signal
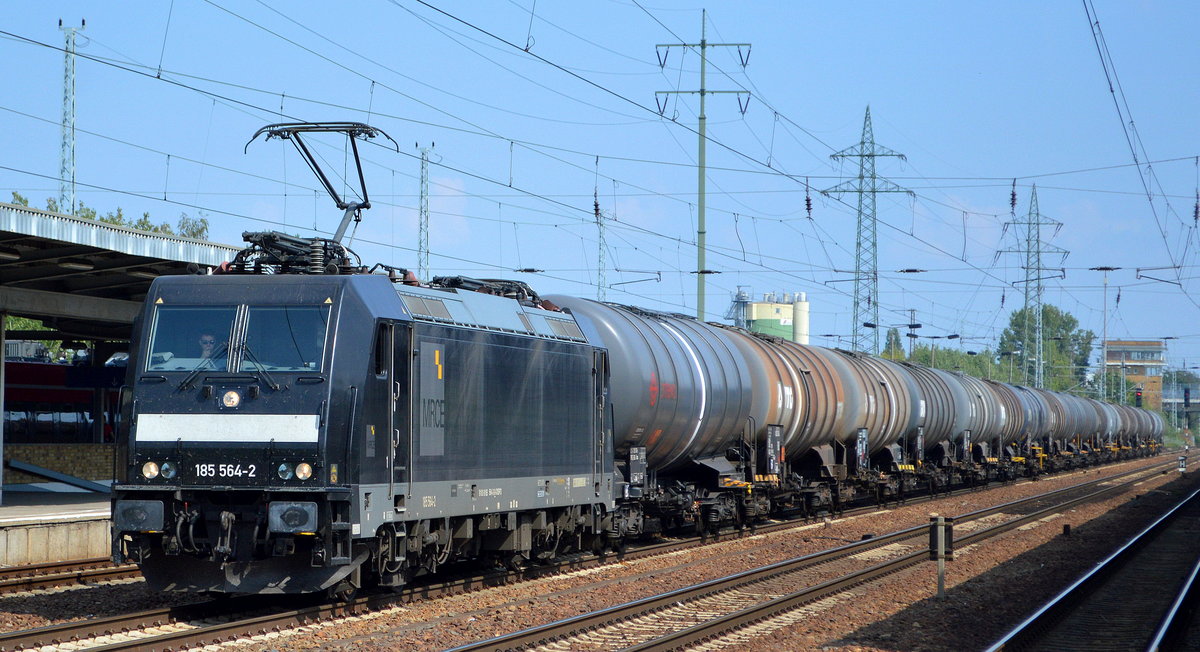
x: 941, y: 547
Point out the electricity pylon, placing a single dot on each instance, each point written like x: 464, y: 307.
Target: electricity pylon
x: 1033, y: 249
x: 866, y: 250
x: 423, y: 218
x: 66, y: 168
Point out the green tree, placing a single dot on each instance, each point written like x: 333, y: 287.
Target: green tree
x: 972, y: 363
x: 19, y: 199
x: 1066, y: 348
x: 193, y: 227
x: 894, y: 350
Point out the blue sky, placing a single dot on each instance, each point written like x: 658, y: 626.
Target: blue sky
x: 534, y: 108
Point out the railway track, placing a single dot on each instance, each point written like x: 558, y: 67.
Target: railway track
x: 1159, y: 565
x: 209, y: 622
x: 17, y: 579
x: 695, y: 614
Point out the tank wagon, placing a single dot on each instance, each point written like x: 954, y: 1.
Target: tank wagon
x: 299, y: 423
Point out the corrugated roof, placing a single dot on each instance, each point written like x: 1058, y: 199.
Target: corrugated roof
x: 75, y: 230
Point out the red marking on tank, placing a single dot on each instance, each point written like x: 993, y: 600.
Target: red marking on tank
x: 653, y: 388
x: 653, y: 438
x: 670, y: 391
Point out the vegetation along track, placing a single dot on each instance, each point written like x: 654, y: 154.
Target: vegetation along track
x: 695, y: 614
x: 210, y: 622
x: 16, y: 579
x: 1158, y: 566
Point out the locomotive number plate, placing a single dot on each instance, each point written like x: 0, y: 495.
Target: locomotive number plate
x: 211, y: 470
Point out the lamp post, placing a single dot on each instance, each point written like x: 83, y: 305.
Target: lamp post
x: 1104, y: 337
x: 911, y: 326
x: 987, y: 373
x: 836, y: 337
x: 1009, y: 355
x: 933, y: 345
x: 1123, y: 389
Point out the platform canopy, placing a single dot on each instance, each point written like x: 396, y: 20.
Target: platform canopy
x: 87, y: 279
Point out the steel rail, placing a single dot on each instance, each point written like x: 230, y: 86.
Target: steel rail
x: 53, y: 567
x: 1027, y: 632
x: 719, y: 626
x: 1174, y: 625
x: 589, y: 622
x: 226, y: 609
x: 29, y: 578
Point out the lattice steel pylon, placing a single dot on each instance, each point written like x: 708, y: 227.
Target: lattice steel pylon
x: 1033, y: 249
x: 423, y: 219
x: 601, y: 280
x: 66, y: 168
x: 866, y: 256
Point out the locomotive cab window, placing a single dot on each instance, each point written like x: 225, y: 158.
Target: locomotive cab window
x: 285, y: 338
x: 185, y: 338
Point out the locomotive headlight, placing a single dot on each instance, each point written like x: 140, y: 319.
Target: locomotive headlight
x: 285, y: 471
x: 304, y: 470
x: 150, y: 470
x: 231, y: 399
x: 168, y: 470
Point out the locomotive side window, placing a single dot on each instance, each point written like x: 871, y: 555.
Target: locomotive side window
x: 286, y: 338
x: 185, y: 338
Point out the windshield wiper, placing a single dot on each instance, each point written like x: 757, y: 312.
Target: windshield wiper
x: 206, y: 363
x: 266, y: 375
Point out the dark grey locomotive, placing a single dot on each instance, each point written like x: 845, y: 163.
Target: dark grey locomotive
x: 350, y: 423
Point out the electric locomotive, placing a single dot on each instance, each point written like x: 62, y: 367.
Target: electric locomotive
x: 342, y: 419
x: 318, y: 428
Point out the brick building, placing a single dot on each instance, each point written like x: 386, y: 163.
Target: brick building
x: 1142, y: 363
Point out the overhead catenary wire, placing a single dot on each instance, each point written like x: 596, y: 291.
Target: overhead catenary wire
x: 743, y: 214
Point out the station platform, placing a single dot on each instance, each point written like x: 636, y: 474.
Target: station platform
x: 38, y: 526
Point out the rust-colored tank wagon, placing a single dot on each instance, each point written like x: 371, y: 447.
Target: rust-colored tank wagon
x: 678, y: 387
x: 1090, y: 422
x: 893, y: 407
x: 1079, y: 421
x: 1128, y: 424
x: 1159, y: 425
x: 1109, y: 421
x: 1055, y: 427
x: 835, y: 403
x: 778, y: 380
x: 1013, y: 414
x: 1038, y: 415
x: 947, y: 409
x: 1143, y: 425
x: 986, y: 414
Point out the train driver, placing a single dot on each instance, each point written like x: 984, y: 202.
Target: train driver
x: 210, y: 353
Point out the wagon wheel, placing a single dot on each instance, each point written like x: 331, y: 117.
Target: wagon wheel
x: 343, y: 591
